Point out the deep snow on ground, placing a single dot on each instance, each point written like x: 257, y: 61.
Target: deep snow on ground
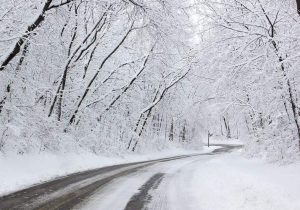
x: 220, y: 182
x: 21, y: 171
x: 231, y: 182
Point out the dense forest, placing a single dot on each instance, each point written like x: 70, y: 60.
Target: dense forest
x: 115, y: 76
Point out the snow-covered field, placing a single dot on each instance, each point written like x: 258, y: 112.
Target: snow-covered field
x: 222, y: 182
x: 21, y: 171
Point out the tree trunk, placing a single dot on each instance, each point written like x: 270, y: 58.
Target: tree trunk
x: 171, y: 134
x: 226, y: 123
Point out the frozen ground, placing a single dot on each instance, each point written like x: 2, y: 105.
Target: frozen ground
x: 21, y: 171
x: 221, y: 182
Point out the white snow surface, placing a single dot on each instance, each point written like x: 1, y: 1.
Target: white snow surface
x: 220, y: 182
x: 231, y: 182
x: 21, y: 171
x: 223, y: 140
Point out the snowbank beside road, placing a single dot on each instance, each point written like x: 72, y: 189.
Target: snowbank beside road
x: 231, y: 182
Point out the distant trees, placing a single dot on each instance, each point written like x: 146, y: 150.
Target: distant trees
x: 254, y: 54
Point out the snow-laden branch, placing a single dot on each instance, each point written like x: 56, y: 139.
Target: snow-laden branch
x: 88, y: 88
x: 174, y: 82
x: 136, y: 4
x: 134, y: 78
x: 60, y: 89
x: 61, y: 4
x: 17, y: 47
x: 38, y: 21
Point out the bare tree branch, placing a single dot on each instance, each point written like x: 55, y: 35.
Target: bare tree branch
x: 176, y: 81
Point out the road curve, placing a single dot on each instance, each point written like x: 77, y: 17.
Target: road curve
x: 66, y: 192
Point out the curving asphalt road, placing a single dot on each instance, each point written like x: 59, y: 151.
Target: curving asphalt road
x: 66, y: 192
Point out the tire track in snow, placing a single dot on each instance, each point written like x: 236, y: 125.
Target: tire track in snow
x: 142, y: 198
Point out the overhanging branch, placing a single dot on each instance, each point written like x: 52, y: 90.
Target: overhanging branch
x: 61, y: 4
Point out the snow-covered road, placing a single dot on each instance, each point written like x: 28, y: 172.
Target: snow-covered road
x: 221, y: 180
x: 66, y: 192
x: 212, y: 182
